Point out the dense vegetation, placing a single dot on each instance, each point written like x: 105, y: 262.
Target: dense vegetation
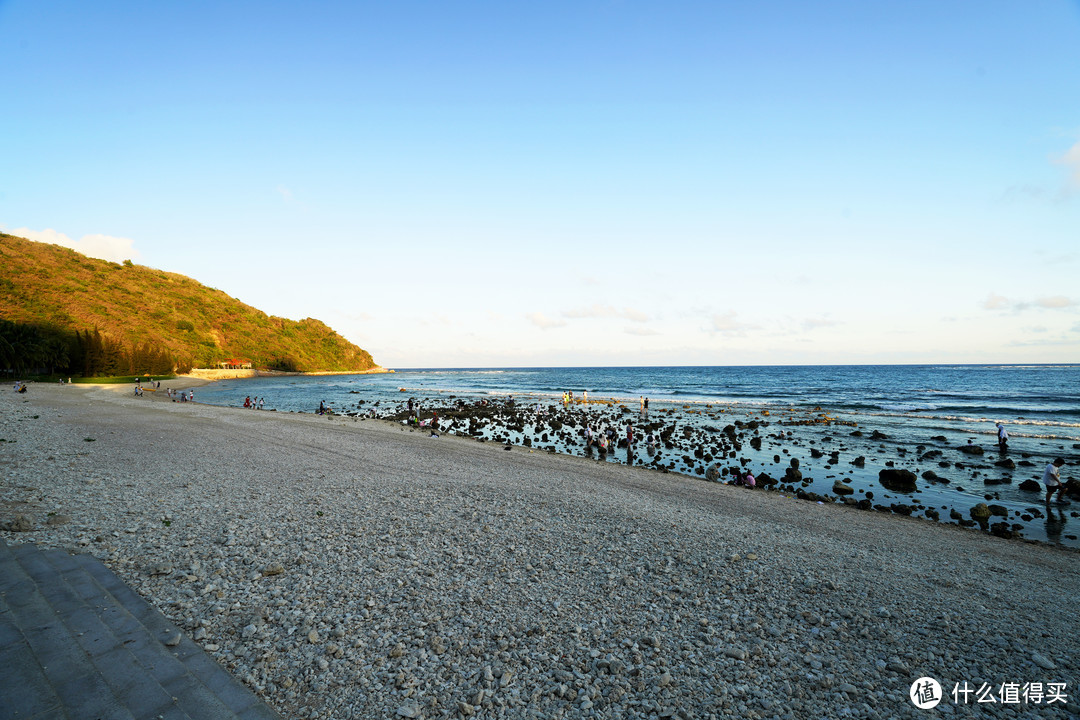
x: 61, y: 311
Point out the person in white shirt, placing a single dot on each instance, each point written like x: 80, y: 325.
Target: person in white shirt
x: 1052, y: 480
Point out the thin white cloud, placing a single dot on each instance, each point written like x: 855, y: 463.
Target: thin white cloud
x: 728, y: 324
x: 642, y: 331
x: 1071, y: 160
x: 1054, y: 302
x: 1058, y: 301
x: 605, y: 311
x: 543, y: 322
x: 104, y: 247
x: 815, y: 323
x: 285, y: 193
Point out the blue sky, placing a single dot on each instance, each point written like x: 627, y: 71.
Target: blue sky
x: 612, y: 183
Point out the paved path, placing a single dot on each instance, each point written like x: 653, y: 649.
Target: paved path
x: 76, y: 643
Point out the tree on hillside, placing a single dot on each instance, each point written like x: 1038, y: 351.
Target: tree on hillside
x: 29, y: 348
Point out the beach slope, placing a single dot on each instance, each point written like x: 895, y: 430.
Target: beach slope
x: 355, y: 568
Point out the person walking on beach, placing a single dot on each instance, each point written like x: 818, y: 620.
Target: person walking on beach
x: 1003, y: 438
x: 1052, y: 480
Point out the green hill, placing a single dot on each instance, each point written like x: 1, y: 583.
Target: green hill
x: 53, y: 299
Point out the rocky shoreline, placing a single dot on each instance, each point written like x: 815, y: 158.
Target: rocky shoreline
x: 352, y: 568
x: 815, y: 456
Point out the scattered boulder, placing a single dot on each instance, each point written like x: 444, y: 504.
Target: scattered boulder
x: 274, y: 568
x: 980, y: 513
x: 971, y: 449
x: 160, y: 568
x: 1007, y: 463
x: 1002, y: 530
x: 842, y: 489
x: 1031, y: 485
x: 21, y: 523
x: 898, y: 480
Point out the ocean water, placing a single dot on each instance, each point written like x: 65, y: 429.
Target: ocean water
x: 913, y: 406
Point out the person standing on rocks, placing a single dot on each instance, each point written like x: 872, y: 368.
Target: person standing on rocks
x: 1052, y: 480
x: 1003, y: 438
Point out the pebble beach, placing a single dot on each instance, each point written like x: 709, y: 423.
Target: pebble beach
x: 344, y: 567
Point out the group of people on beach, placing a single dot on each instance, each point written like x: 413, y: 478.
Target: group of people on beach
x: 254, y: 403
x: 604, y: 438
x: 181, y: 396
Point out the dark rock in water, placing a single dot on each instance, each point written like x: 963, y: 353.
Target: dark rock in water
x: 864, y: 504
x: 980, y: 513
x: 755, y: 443
x: 1007, y: 463
x: 815, y: 453
x: 955, y: 514
x: 859, y: 461
x: 901, y: 509
x: 878, y: 435
x: 766, y: 480
x: 841, y: 489
x: 1002, y: 530
x: 776, y: 458
x: 933, y: 477
x: 1031, y: 485
x: 897, y: 480
x: 795, y: 463
x: 999, y: 510
x: 932, y: 514
x: 998, y: 481
x: 940, y: 438
x: 856, y: 433
x: 792, y: 475
x: 971, y: 449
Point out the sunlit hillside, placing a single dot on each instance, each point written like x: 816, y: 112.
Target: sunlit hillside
x: 59, y: 292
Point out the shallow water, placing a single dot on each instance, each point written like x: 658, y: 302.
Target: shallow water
x: 937, y: 407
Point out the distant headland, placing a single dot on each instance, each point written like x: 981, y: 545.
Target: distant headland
x: 63, y: 313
